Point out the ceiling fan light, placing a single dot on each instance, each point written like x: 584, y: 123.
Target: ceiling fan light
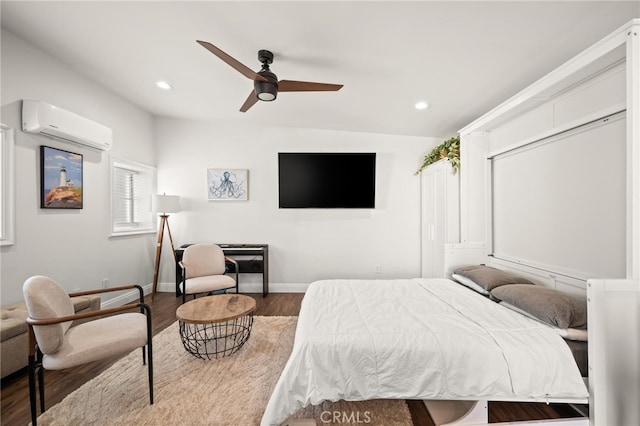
x: 266, y: 90
x: 266, y: 96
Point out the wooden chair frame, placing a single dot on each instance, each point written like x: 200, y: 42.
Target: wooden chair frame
x: 36, y: 369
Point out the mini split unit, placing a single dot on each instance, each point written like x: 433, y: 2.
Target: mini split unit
x: 48, y: 120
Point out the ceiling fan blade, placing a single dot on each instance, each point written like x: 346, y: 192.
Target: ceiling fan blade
x: 306, y: 86
x: 237, y: 65
x: 251, y: 100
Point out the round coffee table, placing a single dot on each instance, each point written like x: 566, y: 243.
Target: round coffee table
x: 216, y: 326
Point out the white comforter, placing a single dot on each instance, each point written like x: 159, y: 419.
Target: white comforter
x: 417, y: 339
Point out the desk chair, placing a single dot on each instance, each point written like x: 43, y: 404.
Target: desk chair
x: 203, y: 269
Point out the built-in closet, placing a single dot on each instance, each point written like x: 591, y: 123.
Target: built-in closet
x: 440, y: 219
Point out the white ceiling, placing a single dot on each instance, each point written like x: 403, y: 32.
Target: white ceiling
x: 464, y: 58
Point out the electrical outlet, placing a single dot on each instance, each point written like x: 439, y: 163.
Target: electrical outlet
x: 105, y: 283
x: 378, y: 269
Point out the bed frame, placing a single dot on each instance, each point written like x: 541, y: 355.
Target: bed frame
x: 464, y: 412
x: 614, y: 376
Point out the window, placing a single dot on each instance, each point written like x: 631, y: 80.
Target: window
x: 131, y: 187
x: 7, y: 158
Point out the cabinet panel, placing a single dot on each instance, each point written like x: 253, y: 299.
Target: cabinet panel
x: 608, y: 89
x: 440, y: 216
x: 473, y: 188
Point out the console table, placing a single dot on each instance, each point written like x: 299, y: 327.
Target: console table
x: 259, y: 264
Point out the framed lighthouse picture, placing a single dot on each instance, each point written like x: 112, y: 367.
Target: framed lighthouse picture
x: 60, y: 179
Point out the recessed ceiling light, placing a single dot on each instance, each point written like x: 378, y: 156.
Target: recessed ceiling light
x: 421, y: 105
x: 164, y: 85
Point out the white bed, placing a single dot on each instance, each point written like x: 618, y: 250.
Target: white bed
x: 418, y: 339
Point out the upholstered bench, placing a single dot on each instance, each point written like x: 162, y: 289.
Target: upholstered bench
x: 13, y: 347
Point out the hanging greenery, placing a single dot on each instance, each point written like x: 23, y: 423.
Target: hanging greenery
x: 449, y: 149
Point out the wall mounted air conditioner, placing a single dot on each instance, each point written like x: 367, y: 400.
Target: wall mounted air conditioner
x: 48, y: 120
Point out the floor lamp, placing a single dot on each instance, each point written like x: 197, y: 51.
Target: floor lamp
x: 163, y: 204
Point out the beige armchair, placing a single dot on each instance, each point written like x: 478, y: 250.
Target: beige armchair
x: 55, y: 345
x: 203, y: 269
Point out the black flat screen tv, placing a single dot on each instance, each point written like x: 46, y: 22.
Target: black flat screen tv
x: 327, y: 180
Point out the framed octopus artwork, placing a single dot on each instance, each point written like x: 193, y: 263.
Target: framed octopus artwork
x: 228, y: 184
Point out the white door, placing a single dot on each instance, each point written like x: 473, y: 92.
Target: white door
x: 440, y: 216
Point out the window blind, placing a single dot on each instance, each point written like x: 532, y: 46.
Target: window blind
x: 126, y: 187
x: 132, y: 187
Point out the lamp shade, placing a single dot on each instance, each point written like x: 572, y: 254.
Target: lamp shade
x: 162, y: 203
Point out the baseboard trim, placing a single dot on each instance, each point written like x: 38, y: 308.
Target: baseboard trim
x: 124, y: 298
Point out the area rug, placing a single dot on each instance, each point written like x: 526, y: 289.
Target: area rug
x: 231, y: 391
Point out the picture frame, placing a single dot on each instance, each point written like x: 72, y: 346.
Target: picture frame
x: 61, y: 179
x: 228, y: 184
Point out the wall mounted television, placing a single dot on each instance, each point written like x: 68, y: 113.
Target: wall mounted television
x: 327, y: 180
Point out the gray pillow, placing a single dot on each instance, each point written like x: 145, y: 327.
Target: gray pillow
x: 546, y: 304
x: 488, y: 277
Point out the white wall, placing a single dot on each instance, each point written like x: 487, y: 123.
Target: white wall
x: 71, y: 246
x: 305, y: 244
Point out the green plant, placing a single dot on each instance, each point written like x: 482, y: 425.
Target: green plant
x: 449, y: 149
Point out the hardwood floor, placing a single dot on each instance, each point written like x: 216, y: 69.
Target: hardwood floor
x: 15, y: 387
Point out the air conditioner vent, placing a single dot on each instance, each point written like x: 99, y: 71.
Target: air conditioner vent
x: 48, y: 120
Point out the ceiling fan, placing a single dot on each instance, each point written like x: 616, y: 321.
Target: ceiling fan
x: 265, y: 83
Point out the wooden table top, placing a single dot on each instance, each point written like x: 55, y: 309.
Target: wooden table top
x: 218, y: 308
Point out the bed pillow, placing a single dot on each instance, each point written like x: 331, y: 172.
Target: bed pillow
x: 488, y: 277
x: 549, y: 305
